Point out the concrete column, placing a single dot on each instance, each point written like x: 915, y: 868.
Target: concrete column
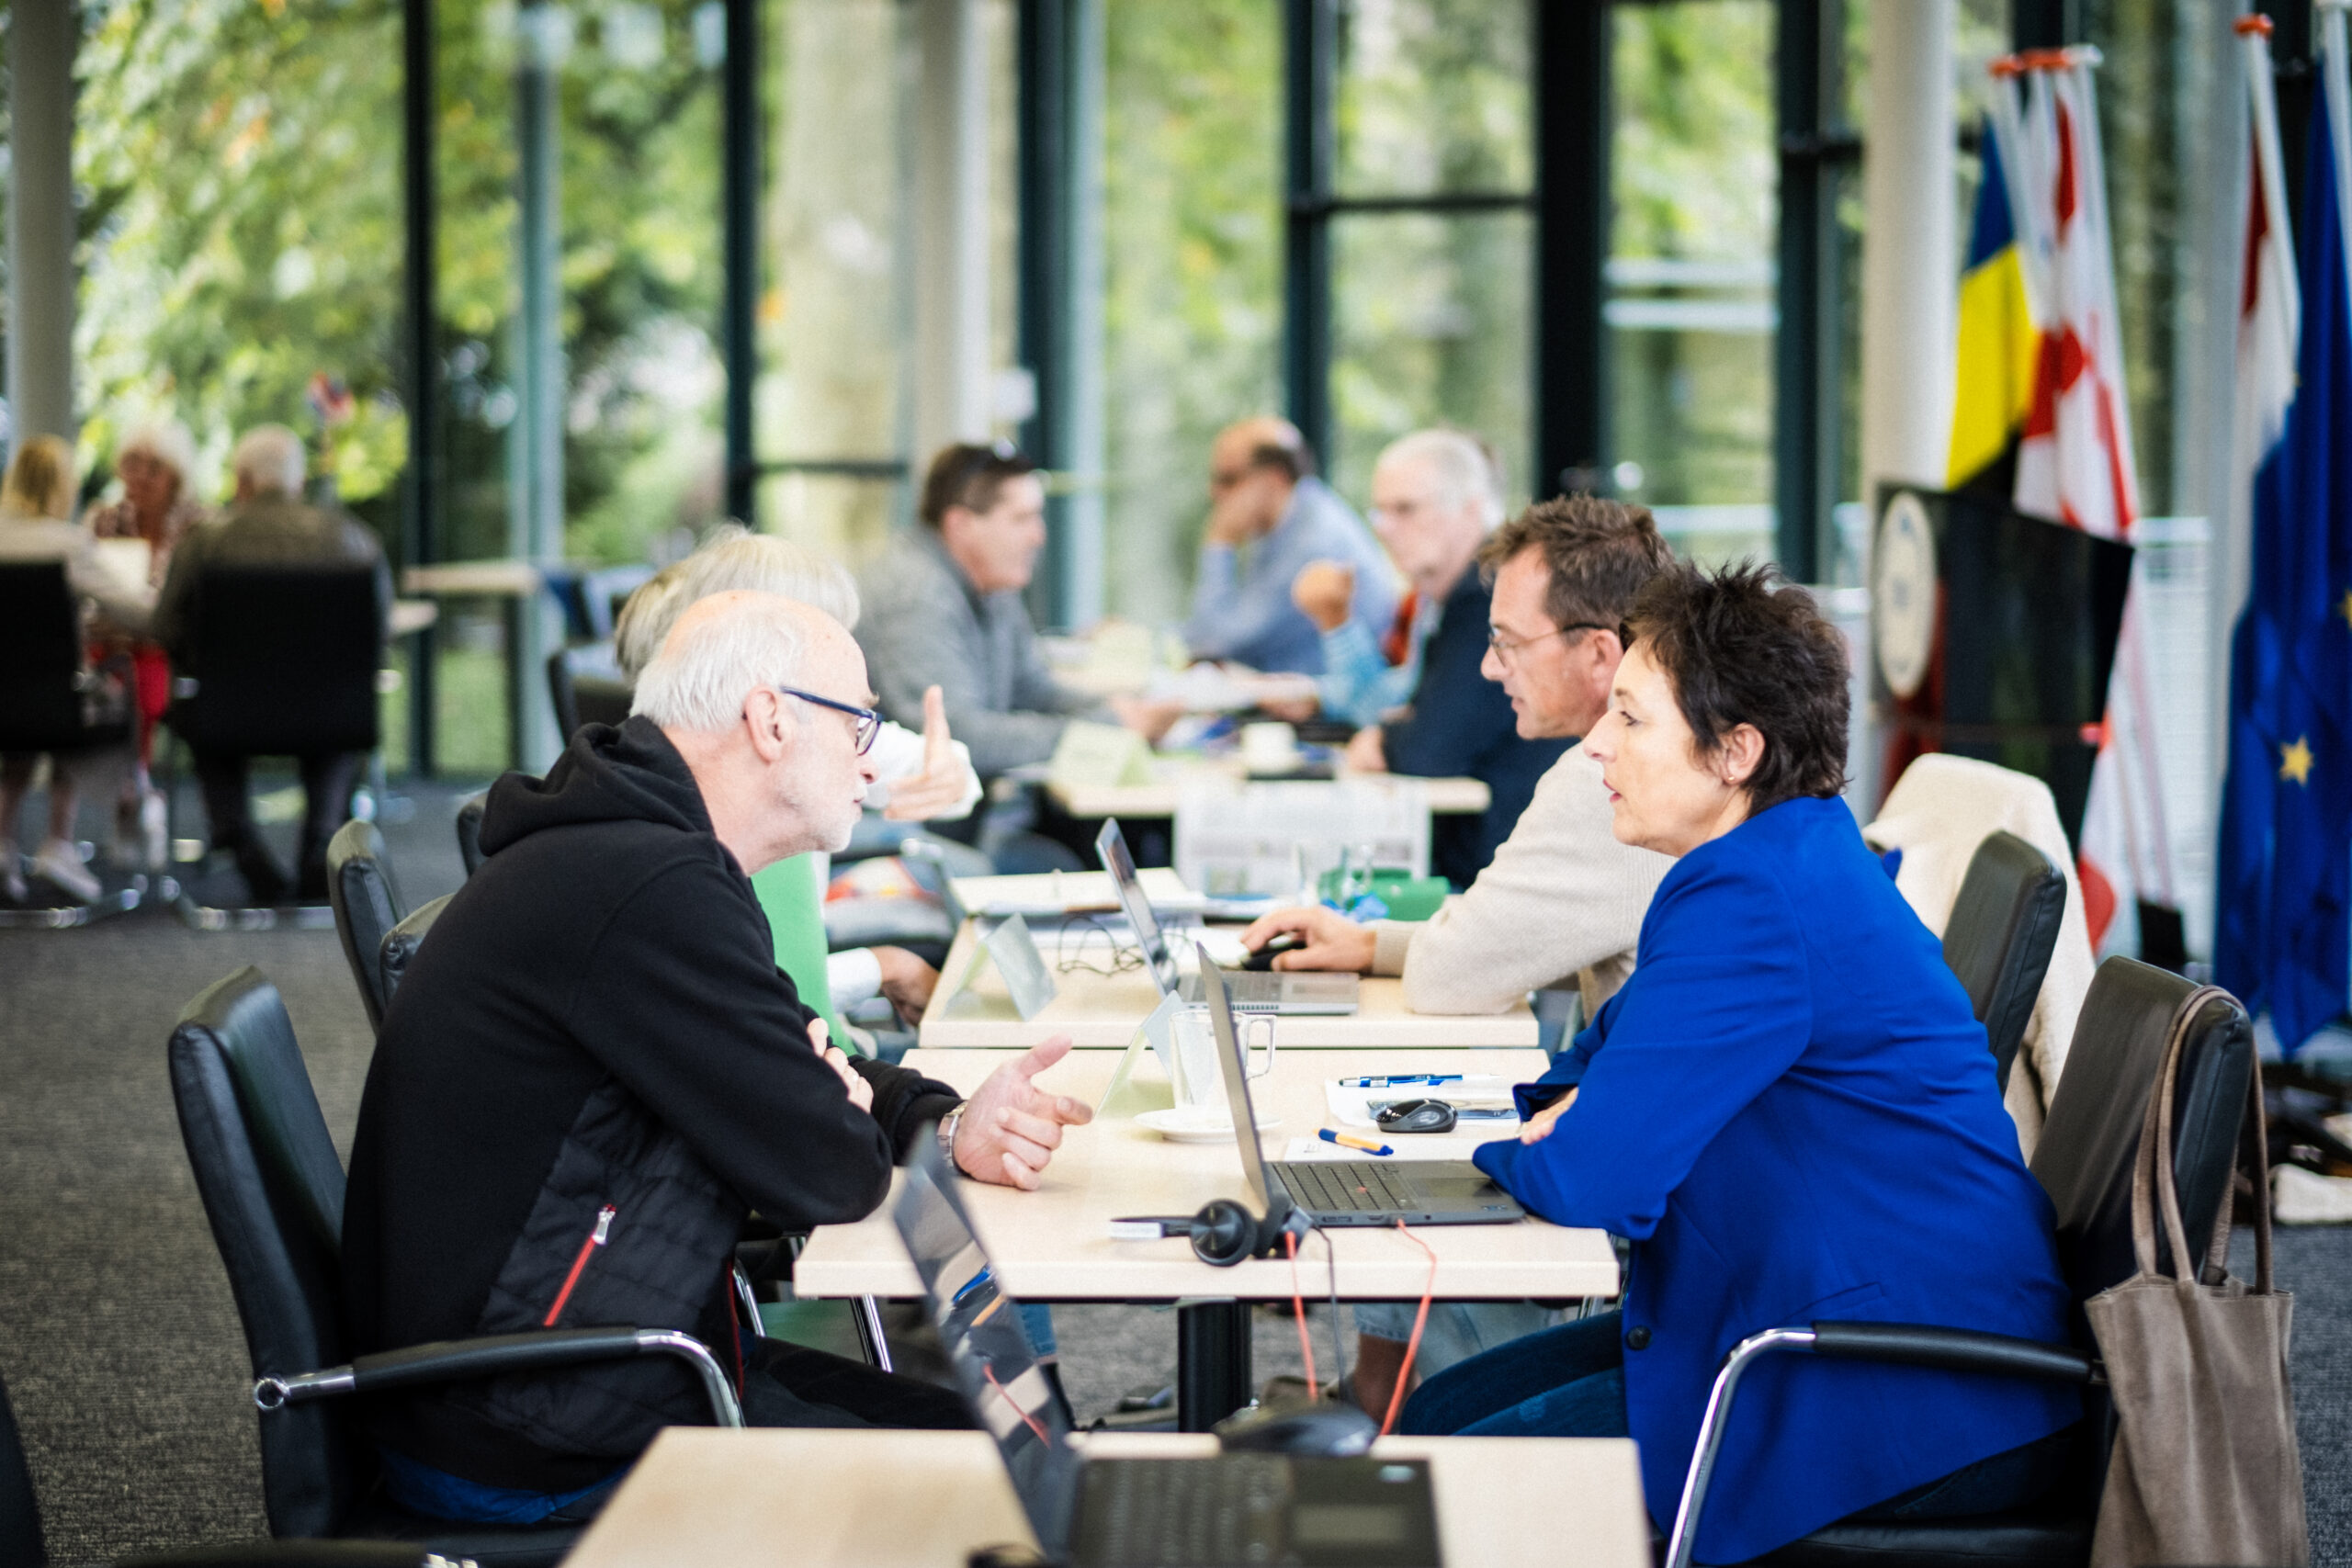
x: 1909, y: 262
x: 951, y: 237
x: 42, y: 35
x: 1084, y: 564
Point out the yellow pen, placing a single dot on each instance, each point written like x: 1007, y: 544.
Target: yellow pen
x: 1350, y: 1141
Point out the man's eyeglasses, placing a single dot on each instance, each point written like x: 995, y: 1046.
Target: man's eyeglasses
x: 1507, y: 647
x: 869, y: 722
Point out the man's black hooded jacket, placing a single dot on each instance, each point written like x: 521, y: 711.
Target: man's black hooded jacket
x: 596, y: 1023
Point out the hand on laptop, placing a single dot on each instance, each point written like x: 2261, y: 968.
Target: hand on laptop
x: 1333, y: 940
x: 1011, y: 1127
x: 906, y: 980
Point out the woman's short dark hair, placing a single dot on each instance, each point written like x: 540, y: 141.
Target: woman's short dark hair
x: 1741, y: 647
x: 969, y: 475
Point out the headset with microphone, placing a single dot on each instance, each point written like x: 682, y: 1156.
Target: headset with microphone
x: 1224, y: 1230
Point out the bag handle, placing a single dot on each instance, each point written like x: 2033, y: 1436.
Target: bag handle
x: 2153, y: 1162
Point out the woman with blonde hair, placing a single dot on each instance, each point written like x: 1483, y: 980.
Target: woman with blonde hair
x: 37, y: 525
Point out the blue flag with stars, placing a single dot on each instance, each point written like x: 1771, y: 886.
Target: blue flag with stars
x: 2283, y: 941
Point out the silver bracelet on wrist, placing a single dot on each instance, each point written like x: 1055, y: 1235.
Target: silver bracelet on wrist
x: 947, y: 1125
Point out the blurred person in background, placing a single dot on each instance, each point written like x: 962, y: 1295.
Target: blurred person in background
x: 268, y: 524
x: 1270, y: 517
x: 37, y: 525
x: 944, y: 612
x: 1436, y: 497
x: 156, y: 463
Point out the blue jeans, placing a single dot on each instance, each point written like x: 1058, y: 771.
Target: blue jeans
x: 1578, y: 1372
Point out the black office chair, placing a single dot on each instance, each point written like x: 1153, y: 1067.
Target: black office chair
x: 51, y: 701
x: 586, y: 688
x: 366, y: 905
x: 273, y: 1190
x: 2003, y: 929
x: 280, y: 661
x: 400, y: 944
x: 469, y: 832
x: 2083, y: 1161
x: 20, y: 1538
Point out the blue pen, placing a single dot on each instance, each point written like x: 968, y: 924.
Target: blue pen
x: 1391, y: 1080
x: 1350, y: 1141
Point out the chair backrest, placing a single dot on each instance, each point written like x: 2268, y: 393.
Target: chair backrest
x: 402, y: 942
x: 20, y: 1541
x: 366, y: 904
x: 2003, y: 927
x: 566, y: 710
x: 2086, y: 1154
x: 273, y: 1190
x: 41, y: 695
x: 285, y: 660
x: 469, y: 832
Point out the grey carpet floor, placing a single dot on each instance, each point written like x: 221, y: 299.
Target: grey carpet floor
x: 119, y: 1343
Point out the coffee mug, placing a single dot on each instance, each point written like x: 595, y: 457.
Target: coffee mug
x: 1200, y: 1081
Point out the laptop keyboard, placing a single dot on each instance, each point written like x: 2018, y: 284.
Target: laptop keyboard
x: 1338, y: 1186
x: 1177, y: 1513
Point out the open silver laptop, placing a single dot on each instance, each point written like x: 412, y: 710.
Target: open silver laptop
x: 1276, y: 991
x: 1215, y: 1511
x: 1348, y: 1191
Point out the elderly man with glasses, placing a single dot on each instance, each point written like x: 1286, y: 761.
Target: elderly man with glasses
x: 594, y: 1073
x: 1562, y: 902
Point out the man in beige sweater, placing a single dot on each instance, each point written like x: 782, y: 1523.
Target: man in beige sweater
x: 1563, y: 899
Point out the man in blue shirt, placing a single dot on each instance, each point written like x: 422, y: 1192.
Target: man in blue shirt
x: 1269, y: 516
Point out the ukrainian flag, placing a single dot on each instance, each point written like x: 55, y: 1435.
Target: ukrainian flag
x: 1997, y: 339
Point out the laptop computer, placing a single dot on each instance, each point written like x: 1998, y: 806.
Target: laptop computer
x: 1352, y: 1191
x: 1217, y: 1511
x: 1300, y: 994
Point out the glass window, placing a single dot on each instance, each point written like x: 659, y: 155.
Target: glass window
x: 1192, y: 244
x: 1433, y: 96
x: 1691, y: 310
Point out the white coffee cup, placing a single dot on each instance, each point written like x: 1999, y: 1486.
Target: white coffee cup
x: 1200, y: 1081
x: 1269, y: 747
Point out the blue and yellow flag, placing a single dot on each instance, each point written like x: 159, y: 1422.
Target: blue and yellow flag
x: 2284, y: 937
x: 1996, y: 340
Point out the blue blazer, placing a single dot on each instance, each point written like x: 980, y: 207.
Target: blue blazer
x: 1792, y: 1112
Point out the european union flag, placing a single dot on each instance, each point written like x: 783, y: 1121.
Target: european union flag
x: 2284, y: 938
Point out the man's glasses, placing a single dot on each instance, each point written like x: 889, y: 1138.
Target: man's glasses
x: 1507, y: 648
x: 869, y: 722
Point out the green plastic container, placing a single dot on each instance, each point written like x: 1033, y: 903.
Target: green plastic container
x: 1409, y: 897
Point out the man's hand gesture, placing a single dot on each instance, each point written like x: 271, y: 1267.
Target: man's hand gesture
x: 939, y: 788
x: 1011, y: 1127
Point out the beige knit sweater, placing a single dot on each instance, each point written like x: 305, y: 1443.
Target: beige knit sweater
x: 1563, y: 899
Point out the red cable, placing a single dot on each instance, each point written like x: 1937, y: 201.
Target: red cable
x: 989, y: 1373
x: 1413, y: 1344
x: 1298, y: 1304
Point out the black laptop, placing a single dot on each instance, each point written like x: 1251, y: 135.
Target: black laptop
x: 1377, y: 1191
x: 1302, y: 992
x: 1217, y: 1511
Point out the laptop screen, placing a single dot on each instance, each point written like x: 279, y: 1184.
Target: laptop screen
x: 1230, y: 1062
x: 995, y: 1366
x: 1111, y: 847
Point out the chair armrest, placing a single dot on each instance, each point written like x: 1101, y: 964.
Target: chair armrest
x: 1955, y: 1350
x: 452, y: 1361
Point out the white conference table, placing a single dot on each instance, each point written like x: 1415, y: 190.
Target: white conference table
x: 797, y: 1499
x: 972, y: 1009
x: 1055, y: 1243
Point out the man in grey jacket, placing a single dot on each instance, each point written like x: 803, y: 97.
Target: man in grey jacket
x: 942, y: 608
x: 1562, y: 902
x: 269, y: 524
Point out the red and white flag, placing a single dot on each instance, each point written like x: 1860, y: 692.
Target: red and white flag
x: 2074, y: 460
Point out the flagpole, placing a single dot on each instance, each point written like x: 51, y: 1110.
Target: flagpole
x: 2337, y: 106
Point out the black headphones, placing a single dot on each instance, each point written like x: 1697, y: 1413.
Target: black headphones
x: 1226, y: 1232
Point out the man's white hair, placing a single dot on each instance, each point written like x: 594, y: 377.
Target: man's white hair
x: 166, y: 440
x: 1464, y: 467
x: 732, y: 558
x: 269, y: 459
x: 704, y: 671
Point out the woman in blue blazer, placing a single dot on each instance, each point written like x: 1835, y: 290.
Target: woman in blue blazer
x: 1791, y: 1112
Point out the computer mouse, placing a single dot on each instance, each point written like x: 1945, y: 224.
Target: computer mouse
x: 1416, y: 1116
x: 1337, y: 1431
x: 1263, y: 958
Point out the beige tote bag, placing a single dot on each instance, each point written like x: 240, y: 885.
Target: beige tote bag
x: 2205, y: 1468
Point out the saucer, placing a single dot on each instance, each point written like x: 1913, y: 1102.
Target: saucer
x: 1198, y: 1123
